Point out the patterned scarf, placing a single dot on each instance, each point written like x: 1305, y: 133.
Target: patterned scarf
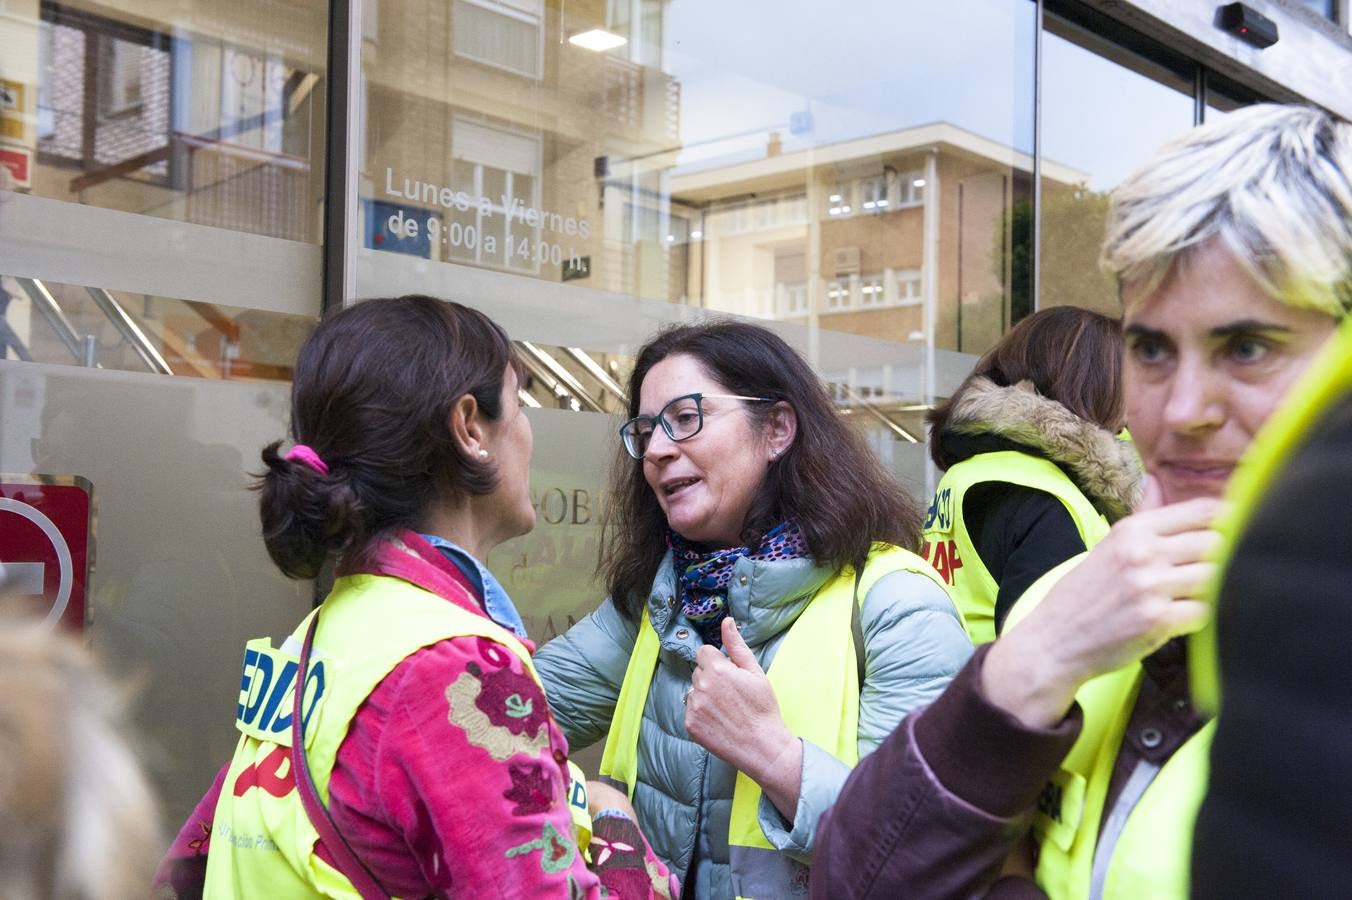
x: 704, y: 575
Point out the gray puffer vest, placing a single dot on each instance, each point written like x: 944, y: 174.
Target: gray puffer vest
x: 914, y: 645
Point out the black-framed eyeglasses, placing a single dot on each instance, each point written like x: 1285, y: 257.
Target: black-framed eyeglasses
x: 681, y: 419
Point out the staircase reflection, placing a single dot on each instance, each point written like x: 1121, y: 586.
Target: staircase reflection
x: 98, y: 328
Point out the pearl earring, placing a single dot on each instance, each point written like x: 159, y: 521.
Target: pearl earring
x: 483, y: 454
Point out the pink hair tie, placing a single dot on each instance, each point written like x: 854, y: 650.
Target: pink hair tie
x: 306, y: 454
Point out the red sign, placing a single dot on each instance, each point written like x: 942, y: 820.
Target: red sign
x: 20, y: 164
x: 46, y: 545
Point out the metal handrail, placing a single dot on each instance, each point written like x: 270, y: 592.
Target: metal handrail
x: 51, y: 311
x: 10, y: 340
x: 129, y: 330
x: 543, y: 375
x: 878, y: 414
x: 561, y: 375
x: 593, y: 368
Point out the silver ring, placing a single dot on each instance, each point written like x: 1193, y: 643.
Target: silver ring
x: 685, y: 698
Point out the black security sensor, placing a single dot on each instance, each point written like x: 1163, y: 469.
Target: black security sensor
x: 1248, y: 24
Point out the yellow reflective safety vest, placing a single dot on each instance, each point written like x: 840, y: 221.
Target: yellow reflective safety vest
x: 263, y: 844
x: 1143, y: 847
x: 1328, y: 380
x: 815, y: 677
x: 948, y: 545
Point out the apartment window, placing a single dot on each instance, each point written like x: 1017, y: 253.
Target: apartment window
x: 120, y: 64
x: 790, y: 299
x: 871, y: 291
x: 49, y: 60
x: 873, y: 195
x: 790, y: 281
x: 253, y: 88
x: 838, y: 201
x: 911, y: 188
x: 789, y: 209
x: 507, y: 34
x: 502, y: 166
x: 117, y: 72
x: 838, y: 294
x: 910, y: 287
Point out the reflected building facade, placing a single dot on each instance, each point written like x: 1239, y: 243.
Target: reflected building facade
x: 187, y: 186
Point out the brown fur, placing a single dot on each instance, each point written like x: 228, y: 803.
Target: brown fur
x: 1107, y: 469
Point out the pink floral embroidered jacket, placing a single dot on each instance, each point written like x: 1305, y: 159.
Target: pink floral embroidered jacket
x: 451, y: 781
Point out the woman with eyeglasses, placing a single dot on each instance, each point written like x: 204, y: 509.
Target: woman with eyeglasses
x: 767, y: 623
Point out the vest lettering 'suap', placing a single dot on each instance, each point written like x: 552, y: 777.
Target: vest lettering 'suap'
x: 949, y: 547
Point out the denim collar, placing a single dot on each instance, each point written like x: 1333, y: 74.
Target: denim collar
x: 497, y: 604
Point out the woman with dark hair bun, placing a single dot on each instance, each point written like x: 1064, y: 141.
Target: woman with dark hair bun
x: 420, y: 759
x: 1034, y: 472
x: 767, y: 622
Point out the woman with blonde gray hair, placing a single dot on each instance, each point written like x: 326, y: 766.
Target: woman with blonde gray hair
x: 1233, y: 253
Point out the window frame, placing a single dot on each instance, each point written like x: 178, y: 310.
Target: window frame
x: 508, y: 10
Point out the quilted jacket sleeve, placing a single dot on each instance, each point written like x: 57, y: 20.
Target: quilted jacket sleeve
x: 935, y: 811
x: 582, y: 670
x: 914, y: 644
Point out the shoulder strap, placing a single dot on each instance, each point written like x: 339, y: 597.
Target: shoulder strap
x: 352, y: 868
x: 619, y: 759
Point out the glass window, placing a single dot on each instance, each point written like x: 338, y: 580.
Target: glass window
x: 632, y: 158
x: 1224, y: 96
x: 502, y: 33
x: 909, y: 286
x: 1105, y: 110
x: 84, y: 325
x: 162, y: 191
x: 1326, y: 8
x: 181, y: 579
x: 214, y: 119
x: 873, y: 194
x: 790, y: 282
x: 838, y: 294
x: 871, y: 291
x: 911, y: 188
x: 634, y: 121
x: 840, y: 200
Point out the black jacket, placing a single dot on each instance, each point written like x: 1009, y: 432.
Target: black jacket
x: 1277, y: 819
x: 1022, y: 533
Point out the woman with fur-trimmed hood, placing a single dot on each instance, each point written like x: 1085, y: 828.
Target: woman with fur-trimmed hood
x: 1034, y: 472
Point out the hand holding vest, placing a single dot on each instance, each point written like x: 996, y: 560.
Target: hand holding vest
x: 1105, y: 609
x: 732, y: 712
